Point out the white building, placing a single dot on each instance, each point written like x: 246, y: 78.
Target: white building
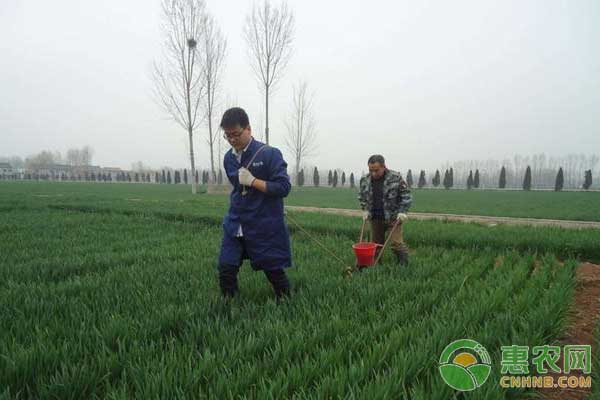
x: 5, y: 168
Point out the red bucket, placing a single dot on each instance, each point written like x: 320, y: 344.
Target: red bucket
x: 365, y: 253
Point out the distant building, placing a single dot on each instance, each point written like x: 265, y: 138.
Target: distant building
x: 86, y: 171
x: 112, y: 172
x: 5, y: 168
x: 54, y: 171
x: 7, y: 171
x: 58, y: 171
x: 92, y: 169
x: 63, y: 172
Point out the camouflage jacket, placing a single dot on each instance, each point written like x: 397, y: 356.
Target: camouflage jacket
x: 396, y: 195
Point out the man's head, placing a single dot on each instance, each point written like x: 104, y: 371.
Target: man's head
x: 377, y: 166
x: 236, y: 128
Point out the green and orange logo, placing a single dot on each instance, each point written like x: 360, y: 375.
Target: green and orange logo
x: 465, y: 365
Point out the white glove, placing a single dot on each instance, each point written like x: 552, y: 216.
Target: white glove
x: 245, y: 177
x: 365, y: 215
x: 402, y: 217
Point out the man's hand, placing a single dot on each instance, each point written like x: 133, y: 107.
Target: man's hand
x: 365, y: 215
x: 245, y: 177
x: 402, y: 217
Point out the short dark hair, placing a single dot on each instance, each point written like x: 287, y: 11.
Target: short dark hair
x: 376, y: 158
x: 235, y: 116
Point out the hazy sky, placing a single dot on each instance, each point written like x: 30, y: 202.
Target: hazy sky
x: 422, y: 82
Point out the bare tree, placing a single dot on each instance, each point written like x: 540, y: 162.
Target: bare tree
x: 301, y: 127
x: 140, y: 167
x: 14, y: 161
x: 268, y: 33
x: 222, y: 146
x: 179, y: 80
x: 43, y: 159
x: 80, y: 157
x: 213, y: 52
x: 87, y: 153
x: 73, y: 157
x: 259, y: 132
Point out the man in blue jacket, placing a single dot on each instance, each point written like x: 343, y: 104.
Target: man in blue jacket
x: 254, y: 227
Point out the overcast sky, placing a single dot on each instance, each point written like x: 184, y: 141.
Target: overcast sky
x: 422, y: 82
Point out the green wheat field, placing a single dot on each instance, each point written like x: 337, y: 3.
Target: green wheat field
x: 109, y: 291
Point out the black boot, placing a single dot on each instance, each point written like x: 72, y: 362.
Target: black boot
x: 280, y: 283
x: 228, y: 280
x: 402, y: 258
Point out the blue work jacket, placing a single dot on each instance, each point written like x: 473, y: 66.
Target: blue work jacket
x: 265, y: 233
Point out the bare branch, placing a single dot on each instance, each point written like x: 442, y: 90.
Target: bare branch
x: 268, y: 33
x: 213, y: 53
x: 179, y: 86
x: 301, y: 126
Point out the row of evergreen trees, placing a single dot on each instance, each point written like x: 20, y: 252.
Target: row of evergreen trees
x: 333, y: 178
x: 178, y: 177
x: 473, y: 179
x: 159, y: 177
x: 448, y: 181
x: 61, y: 177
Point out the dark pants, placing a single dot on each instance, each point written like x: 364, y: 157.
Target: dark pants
x: 379, y: 228
x: 229, y: 282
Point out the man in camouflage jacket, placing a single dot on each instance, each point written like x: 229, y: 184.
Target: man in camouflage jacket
x: 385, y: 199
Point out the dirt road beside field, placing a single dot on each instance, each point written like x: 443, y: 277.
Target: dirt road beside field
x: 463, y: 218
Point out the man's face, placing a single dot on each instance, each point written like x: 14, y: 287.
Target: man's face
x: 376, y: 170
x: 237, y: 136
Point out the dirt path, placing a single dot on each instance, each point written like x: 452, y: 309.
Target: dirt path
x: 582, y: 322
x: 464, y: 218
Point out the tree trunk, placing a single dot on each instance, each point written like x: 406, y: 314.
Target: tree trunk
x: 267, y: 114
x: 189, y: 124
x: 212, y: 142
x: 194, y: 184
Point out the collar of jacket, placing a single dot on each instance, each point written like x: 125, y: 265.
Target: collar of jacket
x: 236, y: 153
x: 249, y: 152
